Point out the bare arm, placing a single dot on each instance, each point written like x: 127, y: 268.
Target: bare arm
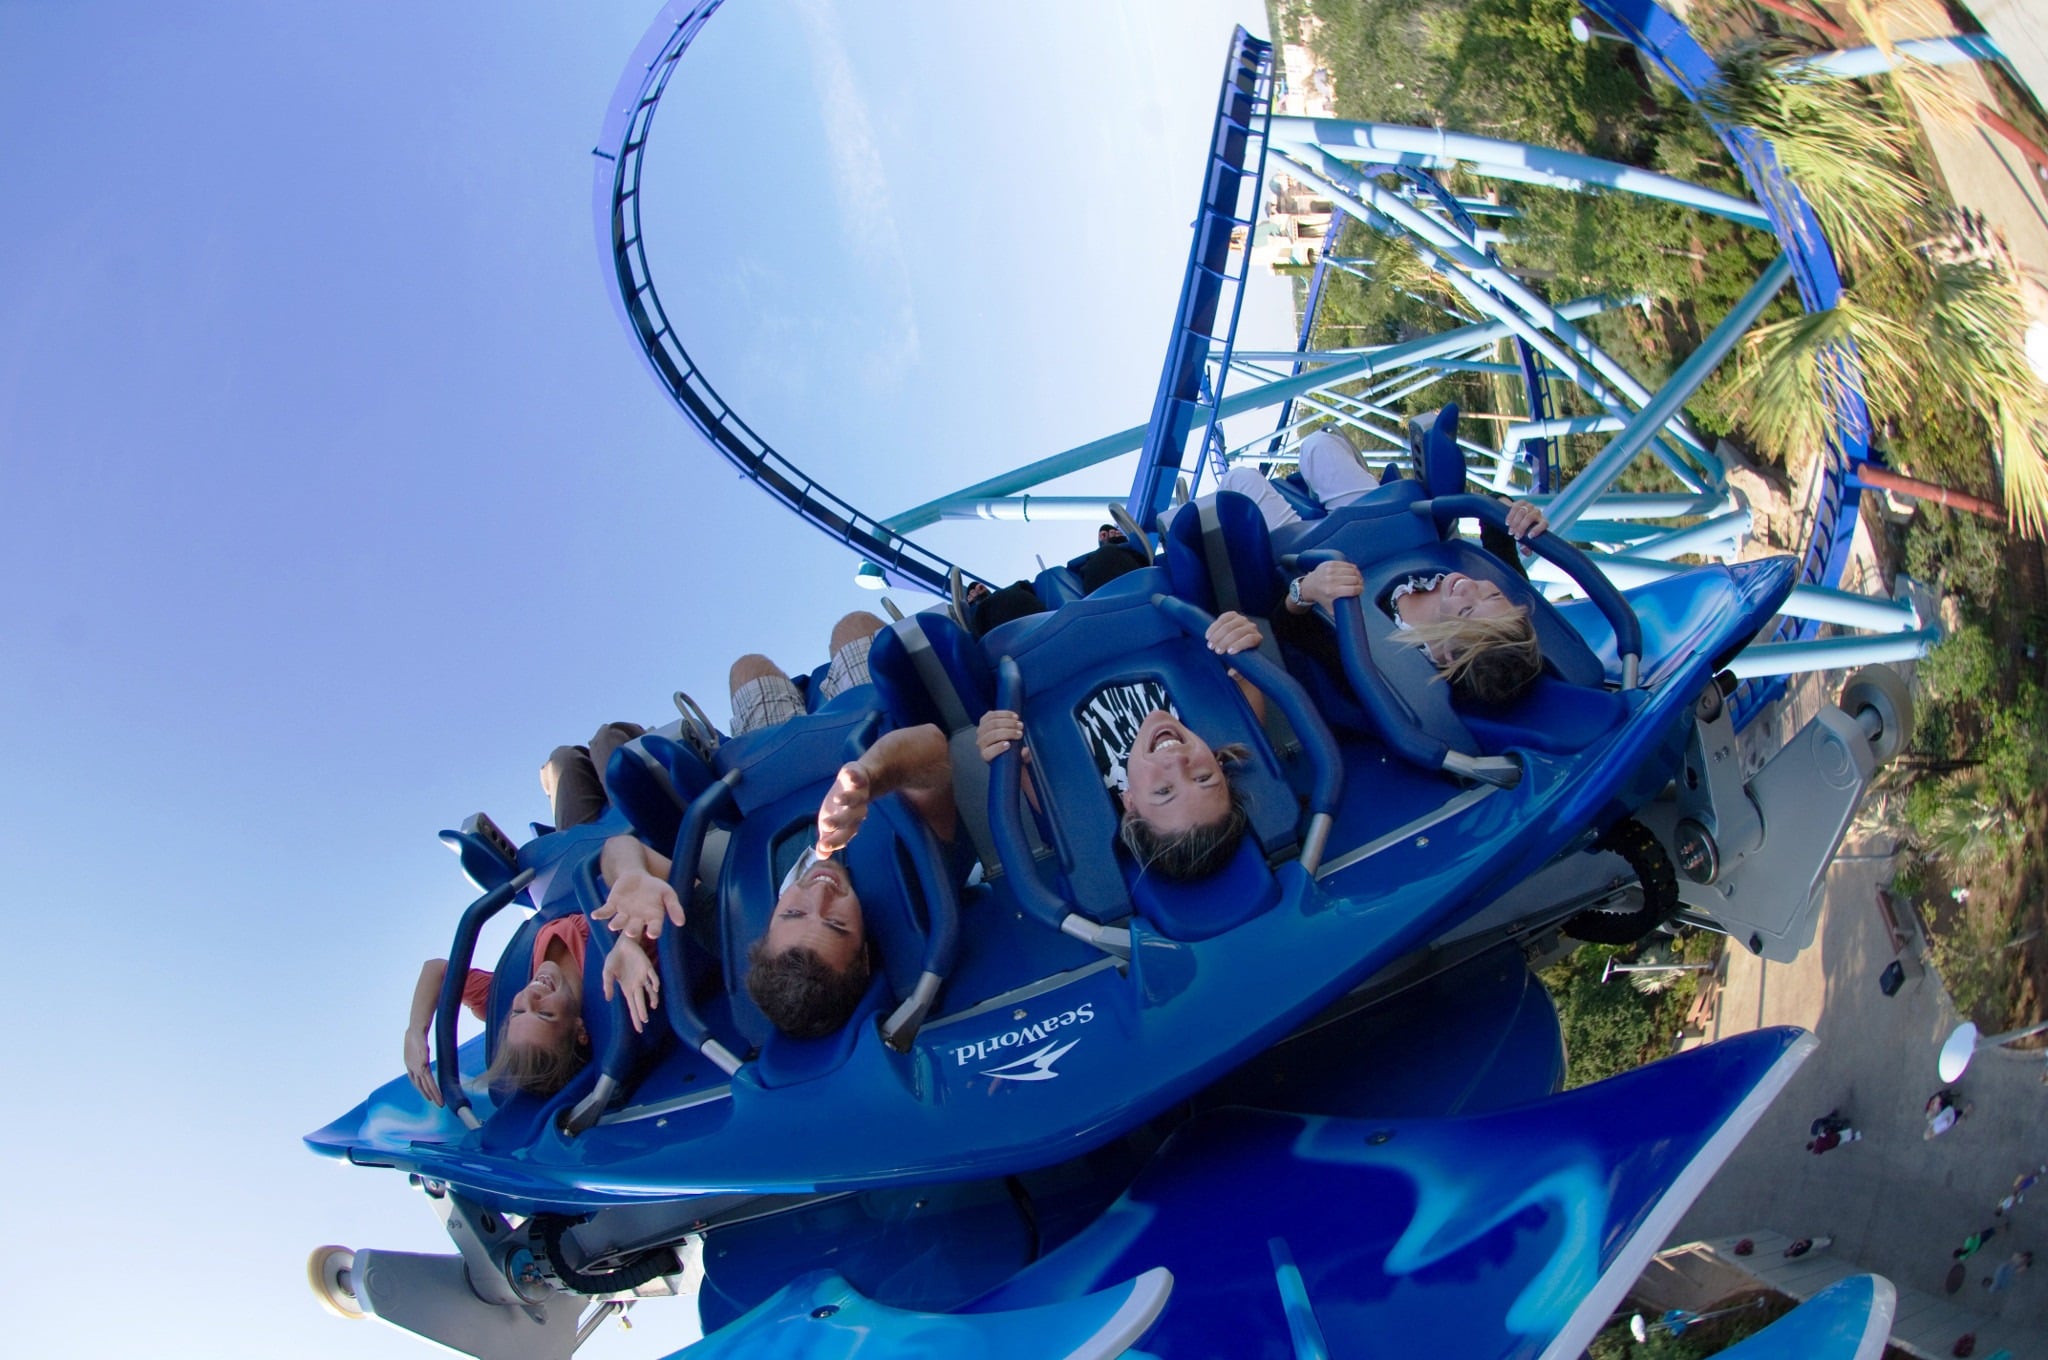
x: 640, y: 898
x: 912, y: 761
x: 426, y: 995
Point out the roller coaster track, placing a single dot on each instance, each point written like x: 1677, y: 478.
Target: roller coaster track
x: 1657, y: 36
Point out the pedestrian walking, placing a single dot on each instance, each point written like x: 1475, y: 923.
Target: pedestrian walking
x: 1831, y: 1139
x: 1831, y: 1122
x: 2021, y: 1183
x: 1944, y: 1111
x: 1807, y: 1244
x: 2000, y: 1280
x: 1974, y: 1243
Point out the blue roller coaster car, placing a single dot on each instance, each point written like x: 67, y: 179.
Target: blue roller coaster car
x: 1307, y: 1101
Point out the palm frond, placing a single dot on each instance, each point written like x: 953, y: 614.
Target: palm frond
x: 1843, y: 150
x: 1793, y: 376
x: 2023, y: 469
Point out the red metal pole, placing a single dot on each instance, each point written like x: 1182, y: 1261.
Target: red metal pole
x: 1928, y: 491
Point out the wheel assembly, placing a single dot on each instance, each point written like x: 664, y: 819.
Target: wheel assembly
x: 1879, y: 690
x: 331, y: 1272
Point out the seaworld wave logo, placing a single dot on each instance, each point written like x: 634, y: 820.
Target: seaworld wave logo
x: 1033, y: 1066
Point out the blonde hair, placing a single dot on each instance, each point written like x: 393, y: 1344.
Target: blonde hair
x: 1490, y: 661
x: 1198, y: 851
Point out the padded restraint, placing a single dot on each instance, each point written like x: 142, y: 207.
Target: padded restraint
x: 1221, y: 558
x: 1196, y: 911
x: 1433, y: 442
x: 1103, y: 641
x: 928, y: 669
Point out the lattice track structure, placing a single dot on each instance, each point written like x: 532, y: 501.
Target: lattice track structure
x: 1207, y: 379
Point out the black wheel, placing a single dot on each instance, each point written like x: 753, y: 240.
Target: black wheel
x: 1881, y: 690
x: 1658, y: 881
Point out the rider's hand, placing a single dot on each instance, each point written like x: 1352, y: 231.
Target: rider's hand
x: 627, y: 969
x: 638, y: 903
x: 1331, y: 582
x: 419, y: 1065
x: 844, y: 808
x: 1525, y: 521
x: 1232, y: 633
x: 998, y: 728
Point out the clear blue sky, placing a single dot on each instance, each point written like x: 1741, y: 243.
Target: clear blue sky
x: 334, y: 495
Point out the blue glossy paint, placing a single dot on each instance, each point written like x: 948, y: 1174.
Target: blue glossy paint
x: 1502, y: 1235
x: 1849, y: 1320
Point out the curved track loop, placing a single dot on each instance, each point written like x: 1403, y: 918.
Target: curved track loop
x: 616, y: 204
x: 622, y: 151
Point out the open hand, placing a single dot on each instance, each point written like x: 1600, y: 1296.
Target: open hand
x: 844, y: 809
x: 627, y: 969
x: 419, y: 1065
x: 637, y: 905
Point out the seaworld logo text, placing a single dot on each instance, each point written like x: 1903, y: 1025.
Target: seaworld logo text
x: 1034, y: 1066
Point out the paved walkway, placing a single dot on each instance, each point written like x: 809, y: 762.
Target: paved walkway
x: 1895, y: 1204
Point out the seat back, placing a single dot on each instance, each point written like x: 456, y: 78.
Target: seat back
x: 881, y: 860
x: 651, y: 780
x: 517, y: 1119
x: 1104, y: 641
x: 1219, y: 556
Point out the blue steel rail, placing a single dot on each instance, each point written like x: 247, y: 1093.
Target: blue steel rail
x: 1667, y: 42
x: 621, y: 153
x: 1246, y: 98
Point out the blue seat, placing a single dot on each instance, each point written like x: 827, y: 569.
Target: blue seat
x: 784, y: 773
x: 1103, y: 641
x: 617, y: 1050
x: 651, y: 780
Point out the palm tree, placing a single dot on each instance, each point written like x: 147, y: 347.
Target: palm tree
x: 1932, y: 305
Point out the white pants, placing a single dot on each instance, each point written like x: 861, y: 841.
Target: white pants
x: 1329, y: 465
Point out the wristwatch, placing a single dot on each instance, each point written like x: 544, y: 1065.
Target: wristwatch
x: 1294, y: 600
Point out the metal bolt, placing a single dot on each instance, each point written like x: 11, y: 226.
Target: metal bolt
x: 827, y: 1311
x: 1017, y: 1014
x: 1379, y: 1136
x: 1421, y: 841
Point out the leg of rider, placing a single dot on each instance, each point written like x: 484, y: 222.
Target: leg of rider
x: 762, y: 695
x: 1332, y: 469
x: 608, y: 739
x: 1246, y: 481
x: 1014, y: 601
x: 570, y: 781
x: 851, y: 638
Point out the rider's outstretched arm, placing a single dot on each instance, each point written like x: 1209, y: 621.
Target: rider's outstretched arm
x: 640, y: 898
x: 912, y: 761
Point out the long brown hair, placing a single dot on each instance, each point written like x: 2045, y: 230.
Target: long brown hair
x: 534, y: 1068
